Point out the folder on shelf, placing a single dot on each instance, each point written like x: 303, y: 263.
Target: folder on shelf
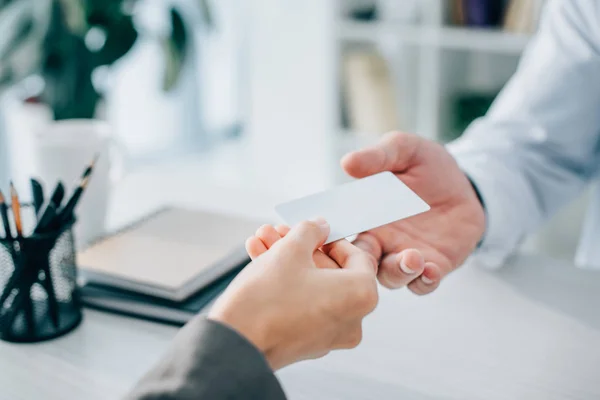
x: 369, y: 93
x: 522, y: 16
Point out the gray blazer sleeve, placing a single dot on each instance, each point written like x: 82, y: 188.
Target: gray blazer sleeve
x: 208, y: 360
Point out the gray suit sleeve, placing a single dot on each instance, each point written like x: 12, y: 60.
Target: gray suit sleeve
x: 208, y: 360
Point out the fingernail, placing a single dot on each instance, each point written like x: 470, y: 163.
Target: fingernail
x: 426, y: 280
x: 323, y: 224
x: 404, y: 267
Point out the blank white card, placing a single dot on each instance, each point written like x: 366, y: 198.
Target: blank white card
x: 357, y: 206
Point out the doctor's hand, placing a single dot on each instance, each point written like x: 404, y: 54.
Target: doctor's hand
x: 296, y: 302
x: 419, y: 251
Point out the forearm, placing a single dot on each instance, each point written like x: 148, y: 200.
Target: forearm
x: 209, y: 361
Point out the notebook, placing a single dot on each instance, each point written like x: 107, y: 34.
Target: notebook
x: 171, y: 254
x: 151, y: 308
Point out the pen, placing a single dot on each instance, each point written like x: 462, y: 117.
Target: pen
x: 58, y: 195
x: 4, y: 216
x: 48, y: 215
x: 45, y: 223
x: 37, y: 193
x: 16, y: 209
x: 46, y: 219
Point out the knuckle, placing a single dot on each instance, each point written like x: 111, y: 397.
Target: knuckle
x: 393, y: 135
x: 368, y: 243
x: 398, y: 138
x: 292, y: 246
x: 306, y: 226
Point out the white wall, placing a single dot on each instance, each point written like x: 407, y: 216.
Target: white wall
x: 293, y: 99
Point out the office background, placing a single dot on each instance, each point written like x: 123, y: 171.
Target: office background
x: 275, y: 92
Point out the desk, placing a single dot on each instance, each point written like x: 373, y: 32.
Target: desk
x: 529, y: 331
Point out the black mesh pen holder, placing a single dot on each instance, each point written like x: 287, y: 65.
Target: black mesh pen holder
x: 38, y: 287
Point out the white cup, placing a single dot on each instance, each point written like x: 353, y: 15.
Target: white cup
x: 62, y: 151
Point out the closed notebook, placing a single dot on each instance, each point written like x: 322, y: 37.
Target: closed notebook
x: 151, y: 308
x: 170, y: 255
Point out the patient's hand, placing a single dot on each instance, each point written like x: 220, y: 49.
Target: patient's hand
x: 267, y: 235
x: 290, y: 308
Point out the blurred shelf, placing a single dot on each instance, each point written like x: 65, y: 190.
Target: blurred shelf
x: 447, y: 37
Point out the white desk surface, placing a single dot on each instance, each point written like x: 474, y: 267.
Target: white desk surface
x: 529, y: 331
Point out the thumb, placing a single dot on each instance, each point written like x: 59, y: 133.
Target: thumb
x: 307, y: 236
x: 350, y: 257
x: 395, y: 152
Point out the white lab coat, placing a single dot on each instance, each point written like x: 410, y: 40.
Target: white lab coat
x: 539, y: 145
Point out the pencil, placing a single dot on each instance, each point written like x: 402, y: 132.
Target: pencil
x: 88, y: 171
x: 16, y: 209
x: 4, y: 216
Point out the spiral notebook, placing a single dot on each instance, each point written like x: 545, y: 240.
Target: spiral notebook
x: 170, y: 255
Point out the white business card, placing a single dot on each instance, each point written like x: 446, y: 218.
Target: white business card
x: 357, y: 206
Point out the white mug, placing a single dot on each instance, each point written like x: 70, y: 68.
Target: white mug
x: 62, y: 151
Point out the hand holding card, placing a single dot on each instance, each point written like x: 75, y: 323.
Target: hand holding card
x: 357, y: 206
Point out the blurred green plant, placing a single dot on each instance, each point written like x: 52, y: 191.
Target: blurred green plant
x: 64, y: 41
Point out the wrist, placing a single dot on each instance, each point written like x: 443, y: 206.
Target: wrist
x: 254, y: 329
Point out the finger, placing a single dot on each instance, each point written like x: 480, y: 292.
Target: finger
x: 255, y: 247
x: 323, y: 261
x: 369, y: 243
x: 348, y: 256
x: 306, y: 237
x: 283, y: 230
x: 395, y: 152
x: 397, y: 270
x: 428, y: 281
x: 268, y: 235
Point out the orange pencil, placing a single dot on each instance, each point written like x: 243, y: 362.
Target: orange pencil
x: 16, y: 209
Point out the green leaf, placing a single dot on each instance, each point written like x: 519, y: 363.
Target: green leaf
x: 120, y: 38
x: 173, y: 64
x: 175, y: 48
x: 178, y: 32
